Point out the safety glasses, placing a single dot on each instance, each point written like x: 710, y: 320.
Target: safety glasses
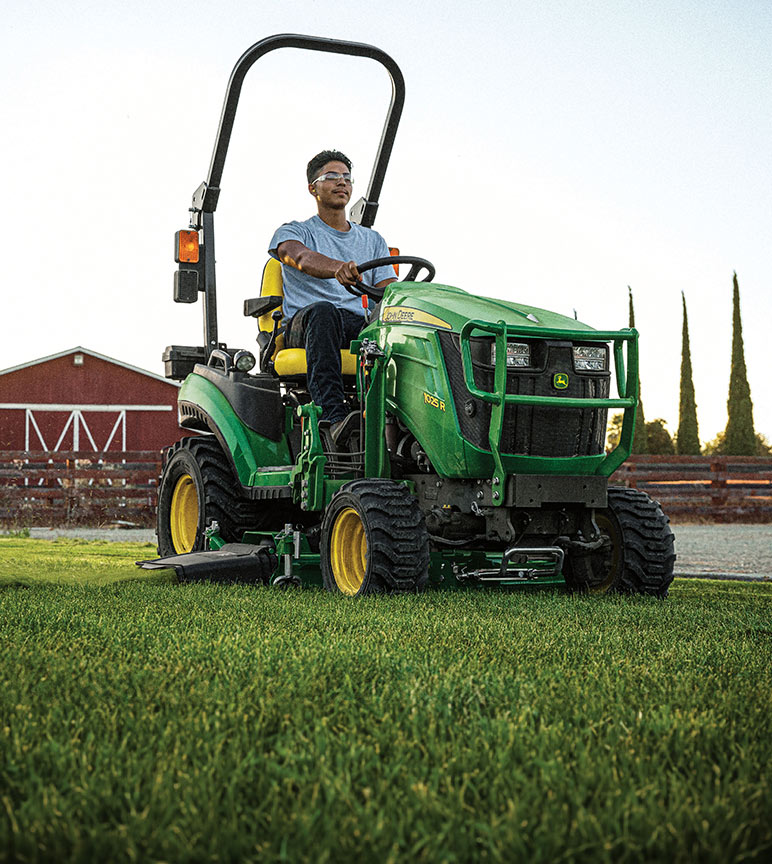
x: 334, y: 175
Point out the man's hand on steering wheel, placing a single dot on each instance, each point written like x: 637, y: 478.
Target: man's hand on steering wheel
x: 359, y: 288
x: 348, y: 275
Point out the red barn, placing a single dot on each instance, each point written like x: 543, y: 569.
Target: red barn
x: 79, y: 400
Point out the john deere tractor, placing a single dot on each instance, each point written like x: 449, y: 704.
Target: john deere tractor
x: 474, y: 453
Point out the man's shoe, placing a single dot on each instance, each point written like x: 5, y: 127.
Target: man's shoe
x: 341, y: 430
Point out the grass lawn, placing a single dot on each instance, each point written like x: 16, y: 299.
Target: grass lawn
x: 144, y: 720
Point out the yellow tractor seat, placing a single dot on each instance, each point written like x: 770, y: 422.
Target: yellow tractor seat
x: 287, y: 362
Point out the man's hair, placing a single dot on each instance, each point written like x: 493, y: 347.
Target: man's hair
x: 321, y: 159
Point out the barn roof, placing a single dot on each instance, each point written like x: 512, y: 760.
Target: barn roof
x: 81, y: 350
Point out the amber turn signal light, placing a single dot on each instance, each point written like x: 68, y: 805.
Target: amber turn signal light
x: 186, y: 247
x: 394, y: 251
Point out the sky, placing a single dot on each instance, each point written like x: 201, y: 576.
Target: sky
x: 550, y: 152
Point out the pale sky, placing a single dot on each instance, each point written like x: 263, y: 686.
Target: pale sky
x: 550, y: 152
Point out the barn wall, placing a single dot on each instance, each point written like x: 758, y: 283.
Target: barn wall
x: 98, y: 381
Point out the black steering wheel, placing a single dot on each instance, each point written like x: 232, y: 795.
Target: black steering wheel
x: 417, y: 264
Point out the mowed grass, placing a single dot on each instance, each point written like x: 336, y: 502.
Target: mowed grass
x: 144, y: 720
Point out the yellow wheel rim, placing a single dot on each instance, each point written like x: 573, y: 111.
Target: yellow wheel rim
x: 607, y: 527
x: 348, y: 551
x: 183, y: 517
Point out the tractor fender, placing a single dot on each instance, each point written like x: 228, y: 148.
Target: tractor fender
x: 203, y: 407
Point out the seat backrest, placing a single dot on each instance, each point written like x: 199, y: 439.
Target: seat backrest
x: 272, y: 285
x: 292, y: 362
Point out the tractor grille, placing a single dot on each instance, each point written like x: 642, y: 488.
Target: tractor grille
x: 530, y: 430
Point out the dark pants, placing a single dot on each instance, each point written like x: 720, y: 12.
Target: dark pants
x: 323, y: 329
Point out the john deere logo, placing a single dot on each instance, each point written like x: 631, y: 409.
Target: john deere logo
x: 560, y: 381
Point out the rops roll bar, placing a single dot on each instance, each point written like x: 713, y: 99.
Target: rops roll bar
x: 190, y: 279
x: 364, y: 211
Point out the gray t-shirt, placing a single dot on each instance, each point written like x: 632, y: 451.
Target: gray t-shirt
x: 358, y: 244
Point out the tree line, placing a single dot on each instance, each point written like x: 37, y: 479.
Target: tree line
x: 739, y: 438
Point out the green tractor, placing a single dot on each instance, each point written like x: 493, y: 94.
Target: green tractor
x: 475, y: 447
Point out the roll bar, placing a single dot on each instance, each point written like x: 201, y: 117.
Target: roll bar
x: 364, y: 211
x: 191, y: 279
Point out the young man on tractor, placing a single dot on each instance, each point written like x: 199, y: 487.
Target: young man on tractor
x: 500, y: 472
x: 318, y: 258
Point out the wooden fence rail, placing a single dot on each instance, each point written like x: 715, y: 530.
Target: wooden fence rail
x: 103, y: 488
x: 714, y: 488
x: 77, y: 488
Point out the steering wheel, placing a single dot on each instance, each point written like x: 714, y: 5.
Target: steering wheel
x: 417, y: 264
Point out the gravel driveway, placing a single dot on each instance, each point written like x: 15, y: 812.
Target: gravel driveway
x: 724, y: 550
x: 703, y: 550
x: 125, y: 535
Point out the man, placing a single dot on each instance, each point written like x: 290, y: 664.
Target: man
x: 318, y: 259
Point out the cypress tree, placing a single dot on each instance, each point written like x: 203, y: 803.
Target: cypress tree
x: 687, y: 438
x: 640, y: 440
x: 740, y: 437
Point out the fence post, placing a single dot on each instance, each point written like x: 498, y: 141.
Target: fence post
x: 632, y: 479
x: 718, y: 487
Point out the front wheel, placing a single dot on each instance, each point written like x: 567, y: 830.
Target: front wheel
x: 374, y: 540
x: 638, y: 555
x: 197, y: 488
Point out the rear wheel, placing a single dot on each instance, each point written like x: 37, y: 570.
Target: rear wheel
x: 639, y: 555
x: 374, y: 540
x: 198, y: 487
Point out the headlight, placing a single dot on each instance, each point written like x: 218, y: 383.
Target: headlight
x: 590, y: 358
x: 518, y: 354
x: 244, y: 361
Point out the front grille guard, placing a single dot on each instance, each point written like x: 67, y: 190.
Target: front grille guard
x: 627, y: 387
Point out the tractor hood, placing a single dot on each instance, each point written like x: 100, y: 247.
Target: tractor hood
x: 447, y: 308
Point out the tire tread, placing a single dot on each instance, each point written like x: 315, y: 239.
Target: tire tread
x: 398, y: 544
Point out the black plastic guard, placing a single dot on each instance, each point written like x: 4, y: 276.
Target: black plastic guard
x: 234, y: 562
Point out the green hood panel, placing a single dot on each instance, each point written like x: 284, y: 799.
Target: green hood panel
x: 448, y: 308
x: 412, y: 317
